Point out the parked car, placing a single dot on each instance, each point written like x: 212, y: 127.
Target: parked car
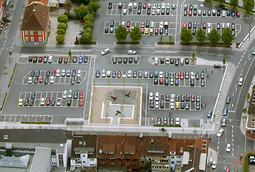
x: 220, y: 132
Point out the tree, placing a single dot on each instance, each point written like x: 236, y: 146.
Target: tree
x: 161, y: 38
x: 170, y: 38
x: 201, y: 36
x: 63, y: 18
x: 10, y: 52
x: 68, y: 5
x: 93, y: 6
x: 70, y: 53
x: 62, y: 26
x: 88, y: 24
x: 61, y: 31
x: 135, y: 34
x: 227, y: 36
x: 193, y: 56
x: 86, y: 37
x: 221, y: 1
x: 121, y: 33
x: 245, y: 110
x: 81, y: 11
x: 234, y: 3
x: 248, y: 96
x: 248, y: 5
x: 87, y: 30
x: 89, y: 17
x: 224, y: 60
x: 214, y: 37
x: 186, y: 36
x: 60, y: 38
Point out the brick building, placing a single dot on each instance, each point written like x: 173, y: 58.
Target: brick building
x: 35, y: 24
x: 250, y: 124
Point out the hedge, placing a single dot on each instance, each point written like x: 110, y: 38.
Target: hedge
x: 70, y: 16
x: 33, y: 122
x: 62, y: 26
x: 3, y: 101
x: 61, y: 31
x: 12, y: 74
x: 60, y: 38
x: 63, y: 18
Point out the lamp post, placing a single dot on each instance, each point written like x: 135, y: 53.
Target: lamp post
x: 201, y: 5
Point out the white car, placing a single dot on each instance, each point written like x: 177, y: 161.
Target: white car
x: 129, y: 74
x: 157, y: 96
x: 79, y: 73
x: 50, y: 59
x: 213, y: 164
x: 161, y: 74
x: 253, y: 52
x: 30, y: 80
x: 155, y: 60
x: 124, y: 74
x: 219, y: 134
x: 64, y: 96
x: 177, y: 121
x: 58, y: 102
x: 156, y: 105
x: 228, y: 149
x: 151, y: 97
x: 51, y: 79
x: 58, y: 73
x: 172, y: 106
x: 131, y: 52
x: 103, y: 73
x: 70, y: 94
x: 167, y: 60
x: 63, y: 73
x: 106, y: 51
x: 240, y: 83
x: 42, y: 101
x: 108, y: 73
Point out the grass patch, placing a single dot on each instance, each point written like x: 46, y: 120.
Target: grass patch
x: 165, y: 43
x: 206, y: 44
x: 5, y: 96
x: 33, y: 122
x: 128, y: 42
x: 246, y: 160
x: 12, y: 74
x: 157, y: 125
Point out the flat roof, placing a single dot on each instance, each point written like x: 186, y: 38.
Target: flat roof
x: 42, y: 160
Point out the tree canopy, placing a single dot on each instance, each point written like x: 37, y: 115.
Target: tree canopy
x: 81, y: 11
x: 60, y: 38
x: 248, y: 5
x: 186, y: 35
x: 89, y: 17
x: 135, y: 34
x: 214, y: 37
x: 86, y: 37
x: 88, y: 24
x: 63, y: 18
x: 62, y: 26
x: 227, y: 37
x: 234, y: 3
x: 201, y: 36
x: 121, y: 33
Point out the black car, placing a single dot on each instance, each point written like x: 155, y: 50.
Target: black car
x: 72, y: 80
x: 176, y: 62
x: 162, y: 104
x: 74, y: 59
x: 36, y: 80
x: 217, y: 66
x: 114, y: 60
x: 78, y: 80
x: 134, y: 74
x: 151, y: 104
x: 130, y: 60
x: 151, y: 75
x: 74, y: 73
x: 120, y: 60
x: 218, y: 12
x: 167, y: 98
x: 233, y: 32
x: 185, y: 13
x: 167, y: 11
x: 171, y: 61
x: 223, y: 7
x: 97, y: 74
x: 228, y: 13
x: 194, y: 31
x: 69, y: 101
x: 111, y: 23
x: 228, y: 100
x: 33, y: 95
x: 161, y: 31
x: 34, y: 59
x: 190, y: 25
x: 162, y: 11
x: 147, y: 24
x: 85, y: 59
x: 52, y: 102
x: 195, y: 12
x: 166, y: 31
x: 32, y: 73
x: 125, y: 60
x: 155, y: 81
x: 31, y: 102
x: 139, y: 11
x: 148, y: 12
x: 113, y: 74
x: 106, y: 30
x: 191, y: 7
x: 30, y: 58
x: 26, y: 102
x: 209, y: 12
x: 47, y: 73
x: 162, y: 60
x: 110, y: 6
x: 46, y: 80
x: 192, y: 82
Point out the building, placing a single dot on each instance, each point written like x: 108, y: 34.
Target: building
x: 42, y: 160
x: 2, y: 10
x: 83, y: 151
x: 250, y: 124
x: 35, y: 24
x: 56, y: 3
x: 45, y: 2
x: 25, y: 142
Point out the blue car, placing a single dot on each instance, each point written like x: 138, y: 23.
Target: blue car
x: 80, y: 59
x: 37, y: 73
x: 111, y: 30
x: 228, y: 13
x: 136, y: 59
x: 233, y: 14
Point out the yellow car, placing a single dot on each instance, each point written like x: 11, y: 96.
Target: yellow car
x: 146, y: 30
x: 177, y: 105
x: 20, y: 102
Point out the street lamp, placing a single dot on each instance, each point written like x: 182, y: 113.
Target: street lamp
x: 201, y: 5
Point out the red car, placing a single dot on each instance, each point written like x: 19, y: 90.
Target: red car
x: 47, y: 101
x: 204, y: 25
x: 80, y: 95
x: 218, y: 25
x: 182, y: 75
x: 237, y: 14
x: 161, y: 81
x: 66, y: 60
x: 142, y: 24
x: 53, y: 73
x: 81, y: 21
x: 142, y: 30
x: 190, y: 12
x: 41, y: 79
x: 80, y: 102
x: 176, y: 75
x: 60, y: 59
x: 156, y: 31
x: 40, y: 59
x: 144, y: 5
x: 128, y: 23
x: 202, y: 75
x: 192, y: 98
x: 184, y: 25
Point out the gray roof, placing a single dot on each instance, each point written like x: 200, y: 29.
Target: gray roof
x: 34, y: 135
x: 14, y: 162
x: 42, y: 160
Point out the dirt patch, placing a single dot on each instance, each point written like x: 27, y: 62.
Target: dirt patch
x: 116, y: 105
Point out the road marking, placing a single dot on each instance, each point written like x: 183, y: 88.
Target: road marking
x: 245, y: 63
x: 231, y: 110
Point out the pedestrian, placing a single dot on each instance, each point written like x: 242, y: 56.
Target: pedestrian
x: 212, y: 72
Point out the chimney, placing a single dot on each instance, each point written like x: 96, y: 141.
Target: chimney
x: 35, y: 2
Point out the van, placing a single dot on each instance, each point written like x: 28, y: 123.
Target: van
x: 240, y: 83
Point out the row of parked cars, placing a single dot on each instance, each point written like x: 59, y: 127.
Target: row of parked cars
x: 168, y: 121
x: 168, y: 60
x: 125, y: 60
x: 36, y: 76
x: 176, y: 101
x: 50, y: 59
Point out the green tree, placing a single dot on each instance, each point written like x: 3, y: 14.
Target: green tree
x: 160, y: 38
x: 87, y: 30
x: 214, y: 37
x: 62, y: 26
x: 86, y: 37
x: 70, y: 53
x: 248, y: 96
x: 93, y: 6
x: 234, y: 3
x: 170, y: 38
x: 121, y: 33
x: 221, y: 1
x: 88, y: 24
x: 186, y: 35
x: 63, y: 18
x: 227, y: 36
x: 10, y: 52
x: 89, y: 17
x: 135, y: 34
x: 68, y: 5
x: 193, y: 56
x: 201, y: 36
x: 60, y: 38
x: 224, y: 60
x: 245, y: 110
x: 61, y: 31
x: 248, y: 5
x: 81, y: 11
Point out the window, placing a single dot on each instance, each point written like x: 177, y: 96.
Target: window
x: 26, y: 32
x: 39, y: 33
x: 31, y: 33
x: 40, y: 38
x: 83, y: 162
x: 32, y: 38
x: 80, y: 142
x: 83, y: 155
x: 27, y: 38
x: 179, y: 162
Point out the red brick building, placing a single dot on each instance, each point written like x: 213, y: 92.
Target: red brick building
x: 35, y: 24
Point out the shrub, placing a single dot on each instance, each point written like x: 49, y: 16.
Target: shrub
x: 60, y: 38
x: 86, y: 37
x: 70, y: 16
x: 61, y: 31
x: 63, y: 18
x: 62, y: 26
x: 88, y: 24
x: 88, y: 30
x: 89, y: 17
